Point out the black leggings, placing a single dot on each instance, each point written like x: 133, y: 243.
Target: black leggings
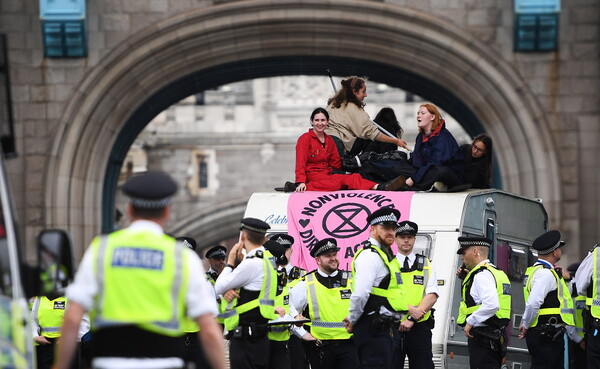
x: 437, y: 174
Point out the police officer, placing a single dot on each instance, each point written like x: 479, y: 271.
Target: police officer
x: 324, y: 296
x: 138, y: 282
x: 378, y: 300
x: 248, y: 286
x: 586, y: 280
x: 216, y: 260
x: 485, y: 307
x: 192, y: 349
x: 47, y: 318
x: 548, y: 305
x: 298, y: 357
x: 413, y: 336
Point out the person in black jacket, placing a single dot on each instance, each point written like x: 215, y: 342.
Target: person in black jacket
x: 478, y: 161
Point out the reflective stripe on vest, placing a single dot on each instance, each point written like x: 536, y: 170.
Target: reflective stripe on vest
x: 265, y: 301
x: 395, y: 292
x: 327, y: 309
x: 565, y: 309
x: 49, y: 315
x: 415, y: 291
x: 579, y: 304
x: 502, y: 290
x: 154, y: 268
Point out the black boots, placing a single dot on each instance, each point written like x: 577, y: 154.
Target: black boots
x: 393, y: 185
x: 289, y: 187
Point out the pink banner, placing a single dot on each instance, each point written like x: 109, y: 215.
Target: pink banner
x: 342, y: 215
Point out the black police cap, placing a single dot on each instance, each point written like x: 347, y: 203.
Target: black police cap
x: 467, y: 241
x: 187, y: 242
x: 151, y: 190
x: 218, y: 251
x: 384, y: 216
x: 323, y: 246
x: 284, y: 239
x: 407, y: 227
x: 547, y: 242
x: 255, y: 225
x: 277, y: 250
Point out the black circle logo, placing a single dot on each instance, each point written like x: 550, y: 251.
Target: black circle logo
x: 346, y: 220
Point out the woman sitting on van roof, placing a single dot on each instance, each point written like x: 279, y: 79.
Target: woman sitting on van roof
x: 478, y: 161
x: 317, y: 156
x: 436, y: 158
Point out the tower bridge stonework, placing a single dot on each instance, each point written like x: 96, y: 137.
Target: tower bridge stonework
x: 74, y: 118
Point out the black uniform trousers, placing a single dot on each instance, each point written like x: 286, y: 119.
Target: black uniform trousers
x: 298, y: 357
x: 545, y: 353
x: 279, y: 355
x: 193, y: 353
x: 373, y: 343
x: 416, y: 343
x: 333, y: 354
x: 483, y: 354
x: 45, y: 355
x: 592, y: 348
x: 249, y: 353
x: 576, y: 356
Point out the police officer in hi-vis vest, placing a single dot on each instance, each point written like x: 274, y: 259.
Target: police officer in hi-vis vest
x: 47, y: 314
x: 576, y: 332
x: 298, y: 357
x: 324, y: 297
x: 249, y: 288
x: 485, y: 306
x: 586, y: 280
x: 413, y: 336
x: 378, y: 299
x: 548, y: 305
x: 216, y: 260
x: 139, y: 285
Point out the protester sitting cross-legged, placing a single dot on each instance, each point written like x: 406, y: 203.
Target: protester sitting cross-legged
x: 317, y: 156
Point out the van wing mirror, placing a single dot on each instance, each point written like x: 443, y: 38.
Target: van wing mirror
x: 55, y: 260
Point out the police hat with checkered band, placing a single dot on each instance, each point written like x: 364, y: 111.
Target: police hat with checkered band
x: 323, y: 246
x: 407, y: 227
x: 151, y: 190
x: 255, y: 225
x: 187, y: 242
x: 216, y: 252
x: 283, y: 239
x: 468, y: 241
x: 547, y: 242
x: 384, y: 216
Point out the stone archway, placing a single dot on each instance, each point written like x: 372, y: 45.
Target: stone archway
x: 234, y: 33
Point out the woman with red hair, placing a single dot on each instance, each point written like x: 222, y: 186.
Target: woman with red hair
x: 436, y: 159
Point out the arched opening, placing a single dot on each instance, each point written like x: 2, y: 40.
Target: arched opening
x: 225, y: 43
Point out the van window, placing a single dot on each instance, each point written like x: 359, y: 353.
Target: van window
x: 423, y: 245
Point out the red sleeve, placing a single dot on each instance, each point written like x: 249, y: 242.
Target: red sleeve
x: 301, y: 158
x: 334, y: 158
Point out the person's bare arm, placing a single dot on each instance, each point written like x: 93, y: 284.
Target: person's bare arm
x: 67, y: 345
x: 211, y: 338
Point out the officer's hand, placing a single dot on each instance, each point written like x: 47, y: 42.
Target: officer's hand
x: 301, y: 187
x: 405, y: 326
x: 347, y: 325
x: 582, y: 344
x: 523, y: 332
x: 230, y: 295
x: 299, y: 317
x: 415, y: 312
x: 279, y: 311
x: 41, y: 340
x: 308, y: 337
x: 235, y: 255
x: 468, y: 330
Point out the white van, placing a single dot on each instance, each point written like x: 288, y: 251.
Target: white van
x: 512, y: 221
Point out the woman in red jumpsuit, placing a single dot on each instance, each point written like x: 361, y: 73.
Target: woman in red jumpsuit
x: 317, y: 156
